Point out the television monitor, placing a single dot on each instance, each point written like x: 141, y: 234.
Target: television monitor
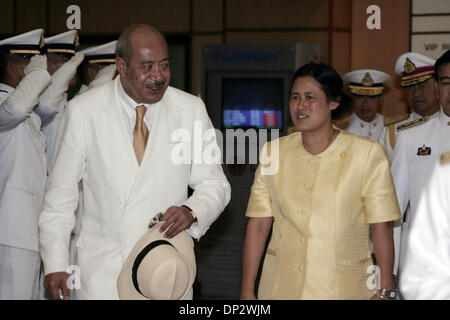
x: 252, y: 103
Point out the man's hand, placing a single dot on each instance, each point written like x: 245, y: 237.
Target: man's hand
x: 56, y: 281
x: 176, y: 219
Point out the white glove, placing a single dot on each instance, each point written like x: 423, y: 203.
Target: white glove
x: 77, y: 59
x: 37, y: 62
x: 54, y: 98
x: 19, y: 104
x: 104, y: 75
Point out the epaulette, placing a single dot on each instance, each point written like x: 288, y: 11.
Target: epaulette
x: 412, y: 124
x: 445, y: 158
x: 392, y: 120
x: 341, y: 124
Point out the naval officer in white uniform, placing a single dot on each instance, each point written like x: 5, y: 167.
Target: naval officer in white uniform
x: 366, y: 87
x: 420, y: 95
x: 23, y: 169
x: 418, y: 148
x: 98, y: 66
x: 426, y: 267
x: 62, y: 66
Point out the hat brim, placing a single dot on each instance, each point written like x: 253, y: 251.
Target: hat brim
x: 182, y: 242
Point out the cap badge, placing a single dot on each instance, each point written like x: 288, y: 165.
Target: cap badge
x: 77, y: 40
x: 409, y: 66
x: 367, y: 81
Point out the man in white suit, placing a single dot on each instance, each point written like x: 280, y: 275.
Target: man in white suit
x: 425, y: 246
x: 419, y: 146
x: 117, y: 140
x: 23, y: 169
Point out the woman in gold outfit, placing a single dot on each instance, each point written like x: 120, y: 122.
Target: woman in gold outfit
x: 330, y: 189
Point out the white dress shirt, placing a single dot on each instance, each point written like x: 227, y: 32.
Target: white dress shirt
x: 129, y: 107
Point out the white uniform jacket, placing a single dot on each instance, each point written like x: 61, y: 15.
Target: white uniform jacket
x: 120, y: 198
x: 416, y: 152
x: 371, y: 130
x: 426, y: 269
x: 389, y: 142
x: 23, y: 169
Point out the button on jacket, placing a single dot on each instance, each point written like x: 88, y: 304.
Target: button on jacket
x: 322, y: 207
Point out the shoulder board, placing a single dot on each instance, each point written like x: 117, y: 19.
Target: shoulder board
x: 392, y: 120
x: 341, y: 124
x: 445, y: 158
x: 412, y: 124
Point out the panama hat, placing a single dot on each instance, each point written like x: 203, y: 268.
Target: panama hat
x: 158, y: 268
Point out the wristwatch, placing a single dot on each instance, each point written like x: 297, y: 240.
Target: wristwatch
x: 385, y: 293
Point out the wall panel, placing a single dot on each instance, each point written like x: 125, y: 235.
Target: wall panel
x: 207, y: 15
x: 112, y: 16
x: 273, y: 14
x: 7, y: 20
x: 379, y: 49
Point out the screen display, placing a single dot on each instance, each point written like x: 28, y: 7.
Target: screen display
x: 252, y: 103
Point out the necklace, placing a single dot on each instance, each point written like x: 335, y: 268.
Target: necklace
x: 330, y: 140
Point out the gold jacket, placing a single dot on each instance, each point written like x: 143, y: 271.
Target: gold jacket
x: 322, y: 206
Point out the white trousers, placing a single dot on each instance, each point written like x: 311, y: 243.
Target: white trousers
x: 19, y: 273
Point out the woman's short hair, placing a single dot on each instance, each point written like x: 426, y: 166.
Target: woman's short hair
x: 325, y: 75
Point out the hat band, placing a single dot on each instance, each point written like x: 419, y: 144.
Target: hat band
x: 418, y: 71
x: 141, y: 256
x: 102, y: 61
x: 366, y: 91
x: 14, y: 51
x: 61, y: 51
x: 410, y: 81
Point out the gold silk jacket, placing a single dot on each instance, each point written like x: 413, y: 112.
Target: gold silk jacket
x: 322, y: 207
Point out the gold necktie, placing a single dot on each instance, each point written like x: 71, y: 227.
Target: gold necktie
x: 140, y: 134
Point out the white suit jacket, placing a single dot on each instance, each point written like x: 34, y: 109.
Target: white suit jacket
x: 426, y: 269
x: 120, y: 198
x: 411, y: 171
x: 23, y: 169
